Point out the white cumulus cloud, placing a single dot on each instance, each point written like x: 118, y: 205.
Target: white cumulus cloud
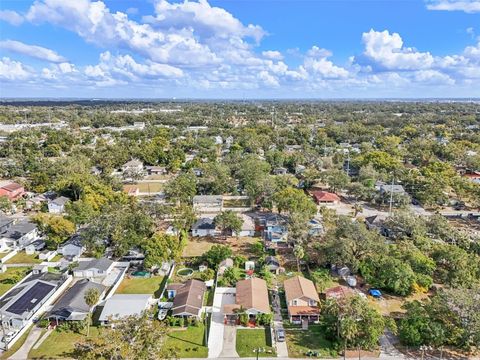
x: 12, y: 17
x: 13, y: 70
x: 34, y: 51
x: 468, y: 6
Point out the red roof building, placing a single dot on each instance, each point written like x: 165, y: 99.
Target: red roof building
x: 325, y: 197
x: 11, y: 190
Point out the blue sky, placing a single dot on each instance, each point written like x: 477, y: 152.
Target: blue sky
x: 240, y: 48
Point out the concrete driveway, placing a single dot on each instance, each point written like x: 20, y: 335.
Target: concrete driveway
x: 222, y: 297
x: 281, y: 347
x: 32, y: 337
x: 229, y: 342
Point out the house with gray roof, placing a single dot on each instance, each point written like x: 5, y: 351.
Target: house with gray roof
x: 72, y: 306
x: 204, y: 227
x: 19, y: 235
x: 122, y: 305
x: 208, y: 203
x: 73, y: 247
x: 22, y: 302
x: 93, y: 268
x: 57, y: 205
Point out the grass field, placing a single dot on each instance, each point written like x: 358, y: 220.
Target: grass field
x: 59, y: 345
x: 146, y: 187
x: 300, y: 341
x: 141, y: 286
x: 250, y: 339
x: 198, y: 246
x: 23, y: 258
x: 391, y: 304
x: 188, y: 343
x: 3, y: 254
x: 12, y: 276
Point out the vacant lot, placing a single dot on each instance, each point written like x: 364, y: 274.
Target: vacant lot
x: 141, y: 286
x: 23, y: 258
x: 250, y: 339
x: 300, y: 341
x: 146, y: 187
x: 391, y: 304
x: 12, y: 276
x: 60, y: 344
x: 189, y: 342
x: 198, y: 246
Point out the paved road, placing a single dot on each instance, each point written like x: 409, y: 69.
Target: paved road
x: 229, y: 342
x: 22, y: 352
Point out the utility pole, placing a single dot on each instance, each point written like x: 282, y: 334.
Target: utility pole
x: 348, y: 163
x: 391, y: 196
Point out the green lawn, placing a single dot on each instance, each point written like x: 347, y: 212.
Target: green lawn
x: 12, y: 276
x: 141, y: 286
x: 3, y: 254
x: 23, y: 258
x: 188, y: 343
x: 56, y: 258
x: 250, y: 339
x: 300, y: 341
x: 208, y: 299
x: 59, y: 345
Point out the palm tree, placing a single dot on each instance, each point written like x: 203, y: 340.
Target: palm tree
x: 299, y: 254
x: 357, y: 208
x: 91, y: 297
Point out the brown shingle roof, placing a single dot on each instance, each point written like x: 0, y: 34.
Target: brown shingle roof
x: 298, y: 287
x: 189, y: 297
x: 303, y: 310
x: 253, y: 294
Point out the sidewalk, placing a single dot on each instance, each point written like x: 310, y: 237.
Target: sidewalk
x: 22, y: 352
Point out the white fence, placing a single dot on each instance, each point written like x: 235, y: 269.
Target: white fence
x: 8, y: 256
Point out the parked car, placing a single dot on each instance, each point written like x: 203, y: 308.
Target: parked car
x: 280, y: 335
x: 8, y: 337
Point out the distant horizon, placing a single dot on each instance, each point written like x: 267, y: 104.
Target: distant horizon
x: 93, y: 99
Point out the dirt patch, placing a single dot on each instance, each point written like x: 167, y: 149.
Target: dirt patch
x: 198, y: 246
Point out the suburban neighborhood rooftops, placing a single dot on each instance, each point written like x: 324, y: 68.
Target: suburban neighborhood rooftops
x: 19, y: 230
x: 29, y: 294
x: 73, y: 300
x: 325, y: 196
x: 298, y: 287
x: 122, y: 305
x: 11, y: 186
x: 189, y: 297
x: 75, y: 240
x: 253, y: 294
x: 100, y: 264
x: 207, y: 199
x: 60, y: 201
x: 133, y: 163
x: 28, y: 300
x: 5, y: 221
x: 396, y: 189
x: 204, y: 224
